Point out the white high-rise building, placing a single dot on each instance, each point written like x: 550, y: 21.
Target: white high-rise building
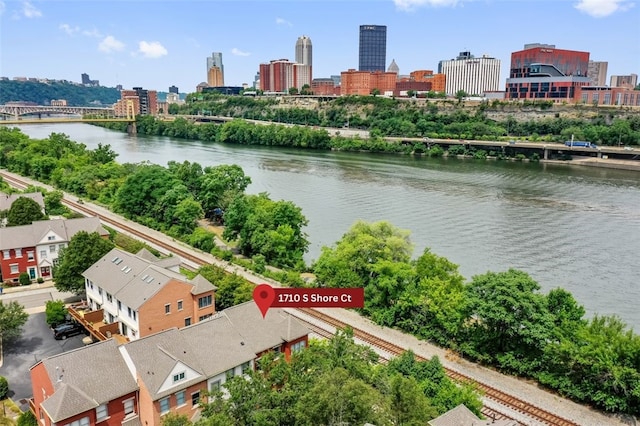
x: 473, y: 75
x: 304, y: 56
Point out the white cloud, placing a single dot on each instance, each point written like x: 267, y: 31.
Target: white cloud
x: 69, y: 29
x: 151, y: 49
x: 409, y: 5
x: 238, y: 52
x: 281, y: 21
x: 30, y: 11
x: 92, y: 33
x: 110, y: 44
x: 602, y: 8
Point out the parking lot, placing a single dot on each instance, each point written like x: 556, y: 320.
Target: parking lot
x: 36, y: 343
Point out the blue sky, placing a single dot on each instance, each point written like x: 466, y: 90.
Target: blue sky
x: 156, y: 44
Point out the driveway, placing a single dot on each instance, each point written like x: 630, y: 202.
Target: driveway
x: 36, y: 343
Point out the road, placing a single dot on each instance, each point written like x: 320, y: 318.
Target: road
x: 34, y: 300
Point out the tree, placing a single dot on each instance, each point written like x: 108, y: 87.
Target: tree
x: 53, y: 203
x: 4, y: 387
x: 293, y: 91
x: 141, y: 192
x: 186, y: 215
x: 84, y: 250
x: 173, y: 419
x: 23, y: 211
x: 103, y: 154
x: 409, y: 405
x: 375, y: 92
x: 12, y: 318
x: 460, y: 95
x: 55, y: 312
x: 220, y: 185
x: 508, y: 319
x: 352, y: 263
x: 27, y: 419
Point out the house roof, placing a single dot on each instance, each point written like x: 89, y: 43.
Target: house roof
x: 84, y: 378
x: 462, y: 416
x: 7, y: 199
x: 134, y: 280
x: 265, y: 333
x: 32, y: 235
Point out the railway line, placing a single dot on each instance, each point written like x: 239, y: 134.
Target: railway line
x: 512, y: 403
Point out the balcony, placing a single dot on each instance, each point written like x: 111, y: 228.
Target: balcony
x: 32, y: 407
x: 93, y: 322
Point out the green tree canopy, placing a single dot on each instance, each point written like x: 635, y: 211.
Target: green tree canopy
x: 84, y: 250
x: 142, y: 191
x: 220, y: 185
x: 23, y: 211
x: 12, y: 318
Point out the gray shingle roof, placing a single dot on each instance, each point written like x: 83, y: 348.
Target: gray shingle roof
x: 84, y: 378
x: 134, y: 280
x: 7, y: 199
x: 30, y: 235
x: 462, y: 416
x: 276, y: 328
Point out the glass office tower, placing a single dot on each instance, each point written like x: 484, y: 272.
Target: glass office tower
x: 373, y: 48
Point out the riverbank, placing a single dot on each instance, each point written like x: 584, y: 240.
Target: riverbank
x: 599, y: 162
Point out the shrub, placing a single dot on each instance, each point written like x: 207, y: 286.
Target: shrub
x: 520, y: 157
x: 259, y: 263
x: 55, y: 312
x: 24, y: 279
x: 27, y: 419
x: 40, y: 280
x: 4, y: 387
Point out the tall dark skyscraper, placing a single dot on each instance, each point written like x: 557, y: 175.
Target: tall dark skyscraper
x: 373, y: 48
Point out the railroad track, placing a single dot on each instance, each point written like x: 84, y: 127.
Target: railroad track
x: 513, y: 403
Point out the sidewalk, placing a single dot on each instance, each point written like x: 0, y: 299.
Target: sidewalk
x: 7, y: 291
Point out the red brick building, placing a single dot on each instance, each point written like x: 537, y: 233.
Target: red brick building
x: 438, y: 81
x: 138, y: 101
x: 354, y: 82
x: 280, y: 75
x: 141, y: 381
x: 324, y: 86
x: 608, y: 96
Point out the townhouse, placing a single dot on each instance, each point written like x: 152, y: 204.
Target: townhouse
x: 135, y: 295
x: 35, y: 248
x: 139, y: 382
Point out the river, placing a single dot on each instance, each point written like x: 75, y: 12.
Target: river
x: 571, y: 227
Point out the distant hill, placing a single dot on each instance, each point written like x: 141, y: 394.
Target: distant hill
x: 43, y: 93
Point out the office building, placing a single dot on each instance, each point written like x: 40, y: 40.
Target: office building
x: 541, y: 71
x: 173, y: 89
x: 364, y: 82
x: 438, y: 81
x: 280, y: 75
x: 215, y: 61
x: 304, y: 51
x: 597, y: 72
x: 472, y: 75
x: 138, y: 101
x: 373, y: 48
x: 628, y: 81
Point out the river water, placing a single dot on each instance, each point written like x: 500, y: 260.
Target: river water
x: 571, y: 227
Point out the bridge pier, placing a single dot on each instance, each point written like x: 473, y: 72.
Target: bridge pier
x: 545, y: 154
x: 132, y: 129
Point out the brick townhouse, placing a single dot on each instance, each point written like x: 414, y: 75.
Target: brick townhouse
x: 34, y: 248
x: 139, y: 382
x: 135, y: 295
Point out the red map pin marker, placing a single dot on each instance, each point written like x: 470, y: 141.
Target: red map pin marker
x: 264, y: 295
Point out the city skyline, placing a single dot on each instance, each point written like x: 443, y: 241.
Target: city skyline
x: 132, y: 44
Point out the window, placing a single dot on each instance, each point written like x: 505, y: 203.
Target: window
x: 129, y: 311
x: 179, y: 305
x: 187, y: 322
x: 6, y: 254
x: 56, y: 262
x: 296, y: 347
x: 81, y: 422
x: 128, y: 406
x: 14, y: 268
x: 60, y: 246
x: 119, y: 305
x: 43, y: 253
x: 214, y: 386
x: 164, y: 405
x: 100, y: 291
x: 134, y: 315
x: 51, y: 238
x: 204, y: 317
x: 205, y: 301
x: 178, y: 377
x: 109, y: 298
x: 167, y: 308
x: 246, y: 367
x: 19, y: 252
x: 230, y: 373
x: 52, y: 248
x: 102, y: 412
x: 181, y: 398
x: 30, y: 255
x: 195, y: 398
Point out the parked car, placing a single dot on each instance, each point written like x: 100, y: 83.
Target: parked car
x: 68, y: 329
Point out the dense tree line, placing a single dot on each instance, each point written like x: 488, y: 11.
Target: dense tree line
x: 44, y: 93
x: 171, y: 199
x: 394, y: 117
x: 335, y: 382
x: 499, y: 319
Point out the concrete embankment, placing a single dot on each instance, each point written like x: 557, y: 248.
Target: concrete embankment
x: 598, y: 162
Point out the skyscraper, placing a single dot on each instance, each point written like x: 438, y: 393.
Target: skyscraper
x: 304, y: 51
x: 475, y: 76
x: 373, y: 48
x: 215, y: 78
